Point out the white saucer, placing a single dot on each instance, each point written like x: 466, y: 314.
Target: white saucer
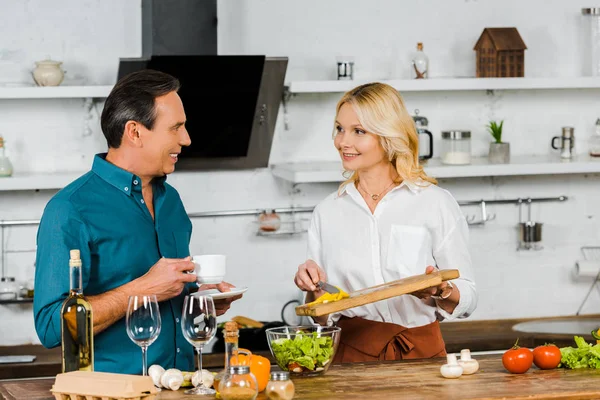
x: 216, y: 295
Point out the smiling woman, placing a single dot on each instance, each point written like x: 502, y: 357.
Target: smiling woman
x: 373, y: 127
x: 388, y: 221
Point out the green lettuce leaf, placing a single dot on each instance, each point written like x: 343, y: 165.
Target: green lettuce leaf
x: 583, y: 356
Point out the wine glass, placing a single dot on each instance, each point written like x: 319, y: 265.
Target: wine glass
x: 143, y: 324
x: 199, y: 326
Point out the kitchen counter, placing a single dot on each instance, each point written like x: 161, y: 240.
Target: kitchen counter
x: 475, y: 335
x: 419, y: 379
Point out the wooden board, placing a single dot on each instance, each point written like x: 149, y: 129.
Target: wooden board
x: 380, y: 292
x: 418, y: 379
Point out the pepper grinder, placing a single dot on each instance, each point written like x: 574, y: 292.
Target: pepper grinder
x: 567, y: 142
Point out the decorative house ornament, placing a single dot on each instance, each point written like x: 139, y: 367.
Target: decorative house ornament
x: 500, y: 53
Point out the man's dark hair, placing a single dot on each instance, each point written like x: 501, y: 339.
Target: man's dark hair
x: 132, y: 99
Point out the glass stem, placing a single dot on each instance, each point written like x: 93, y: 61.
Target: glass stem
x: 144, y: 361
x: 199, y: 354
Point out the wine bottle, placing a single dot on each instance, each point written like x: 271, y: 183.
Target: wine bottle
x: 77, y: 335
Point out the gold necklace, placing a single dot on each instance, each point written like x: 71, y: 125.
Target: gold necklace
x: 375, y: 197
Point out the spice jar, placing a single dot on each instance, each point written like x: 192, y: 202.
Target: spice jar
x: 280, y: 387
x: 269, y: 221
x: 239, y: 384
x: 456, y: 147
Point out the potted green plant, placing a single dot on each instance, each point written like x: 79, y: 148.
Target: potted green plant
x: 499, y: 150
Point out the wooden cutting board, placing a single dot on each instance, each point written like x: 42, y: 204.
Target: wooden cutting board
x: 380, y: 292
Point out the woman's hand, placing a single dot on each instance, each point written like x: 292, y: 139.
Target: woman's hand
x: 308, y: 275
x: 443, y: 290
x: 306, y: 278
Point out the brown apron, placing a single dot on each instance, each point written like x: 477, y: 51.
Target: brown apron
x: 363, y: 340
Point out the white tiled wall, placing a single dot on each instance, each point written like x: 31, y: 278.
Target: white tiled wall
x: 90, y: 36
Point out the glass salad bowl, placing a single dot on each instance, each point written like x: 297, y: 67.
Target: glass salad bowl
x: 304, y: 350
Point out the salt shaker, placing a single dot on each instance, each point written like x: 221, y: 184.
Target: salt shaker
x: 280, y: 386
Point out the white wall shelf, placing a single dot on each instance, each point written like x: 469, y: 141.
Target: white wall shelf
x: 35, y: 181
x: 54, y: 92
x: 450, y: 84
x: 331, y: 171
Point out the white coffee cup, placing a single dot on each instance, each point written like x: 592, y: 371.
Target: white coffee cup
x: 209, y: 268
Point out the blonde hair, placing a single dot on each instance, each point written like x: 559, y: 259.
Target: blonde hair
x: 381, y: 111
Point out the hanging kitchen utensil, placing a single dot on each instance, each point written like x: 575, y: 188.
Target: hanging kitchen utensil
x: 380, y: 292
x: 530, y: 232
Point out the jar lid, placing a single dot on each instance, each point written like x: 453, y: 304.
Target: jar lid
x: 456, y: 135
x: 419, y: 120
x: 280, y: 376
x: 239, y: 370
x: 590, y: 11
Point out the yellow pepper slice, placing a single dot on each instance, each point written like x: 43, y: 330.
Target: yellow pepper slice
x: 329, y: 297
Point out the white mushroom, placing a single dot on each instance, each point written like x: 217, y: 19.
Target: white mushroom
x: 172, y: 379
x: 156, y: 372
x: 208, y: 378
x: 469, y: 365
x: 451, y: 369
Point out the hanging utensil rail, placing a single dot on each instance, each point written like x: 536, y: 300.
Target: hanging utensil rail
x: 293, y: 210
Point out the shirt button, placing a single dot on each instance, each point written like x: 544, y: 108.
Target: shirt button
x: 178, y: 349
x: 142, y: 200
x: 126, y: 188
x: 177, y: 320
x: 135, y: 182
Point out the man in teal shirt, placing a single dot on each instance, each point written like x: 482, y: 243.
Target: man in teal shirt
x: 130, y: 226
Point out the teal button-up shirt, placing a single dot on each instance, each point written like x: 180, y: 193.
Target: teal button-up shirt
x: 104, y: 216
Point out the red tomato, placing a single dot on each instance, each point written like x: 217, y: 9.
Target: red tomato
x: 517, y: 360
x: 547, y: 356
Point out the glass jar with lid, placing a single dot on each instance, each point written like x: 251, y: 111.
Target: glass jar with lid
x: 280, y: 387
x: 8, y: 288
x: 239, y: 384
x: 591, y: 36
x: 456, y: 147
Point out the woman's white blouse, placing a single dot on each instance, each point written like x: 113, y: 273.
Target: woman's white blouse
x: 412, y: 227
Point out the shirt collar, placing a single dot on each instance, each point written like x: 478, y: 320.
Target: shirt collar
x: 414, y: 187
x: 121, y: 179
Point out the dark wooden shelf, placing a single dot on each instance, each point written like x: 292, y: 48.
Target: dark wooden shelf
x: 17, y: 301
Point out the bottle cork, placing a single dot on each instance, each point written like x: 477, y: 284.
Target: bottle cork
x: 75, y: 260
x: 231, y: 331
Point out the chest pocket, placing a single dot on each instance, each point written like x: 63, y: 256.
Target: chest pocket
x: 408, y: 251
x: 176, y: 245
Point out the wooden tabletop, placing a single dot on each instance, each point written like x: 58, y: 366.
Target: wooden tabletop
x: 400, y: 380
x: 475, y: 335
